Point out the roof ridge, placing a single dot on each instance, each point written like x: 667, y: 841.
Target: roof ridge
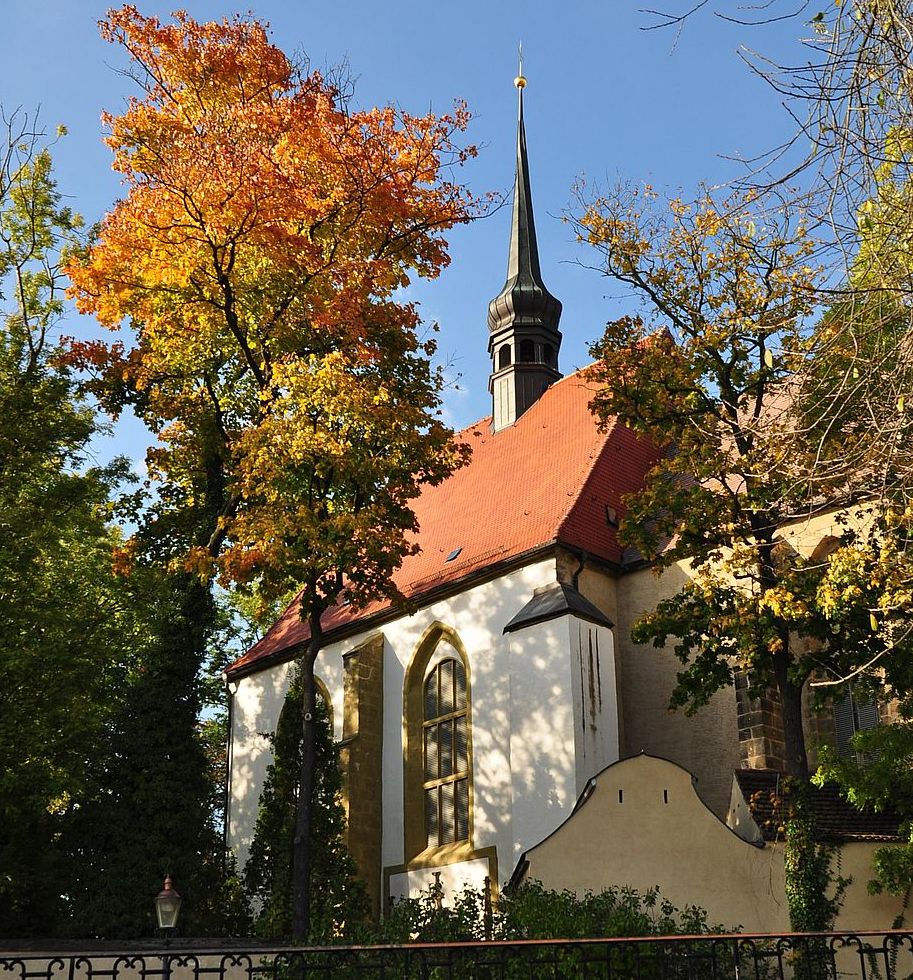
x: 486, y: 419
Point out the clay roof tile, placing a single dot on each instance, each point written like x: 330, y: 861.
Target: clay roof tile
x: 551, y: 477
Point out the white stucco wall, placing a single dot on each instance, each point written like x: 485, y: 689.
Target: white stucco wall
x: 255, y: 711
x: 453, y: 879
x: 565, y: 721
x: 541, y: 736
x: 543, y: 716
x: 596, y: 729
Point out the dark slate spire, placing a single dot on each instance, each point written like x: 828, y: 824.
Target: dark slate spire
x: 523, y: 318
x: 524, y: 296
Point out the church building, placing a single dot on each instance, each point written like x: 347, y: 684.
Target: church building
x: 469, y: 727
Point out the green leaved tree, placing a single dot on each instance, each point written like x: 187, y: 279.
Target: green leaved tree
x: 340, y: 904
x: 70, y: 627
x: 718, y: 375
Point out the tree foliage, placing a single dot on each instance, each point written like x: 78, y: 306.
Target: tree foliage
x: 713, y: 387
x: 67, y: 622
x: 878, y: 776
x: 848, y: 109
x: 258, y: 253
x: 151, y: 805
x: 340, y: 905
x: 847, y: 158
x: 103, y: 779
x: 535, y: 912
x: 733, y: 387
x: 851, y: 101
x: 862, y: 100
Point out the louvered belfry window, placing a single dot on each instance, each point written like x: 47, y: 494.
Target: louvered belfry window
x: 446, y: 754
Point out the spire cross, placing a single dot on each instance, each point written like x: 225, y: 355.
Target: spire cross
x: 520, y: 81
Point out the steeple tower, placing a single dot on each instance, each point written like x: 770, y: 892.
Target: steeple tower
x: 523, y: 318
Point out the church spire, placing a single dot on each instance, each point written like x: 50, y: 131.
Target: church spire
x: 523, y: 318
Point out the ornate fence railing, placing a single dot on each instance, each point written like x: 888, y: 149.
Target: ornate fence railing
x: 820, y: 956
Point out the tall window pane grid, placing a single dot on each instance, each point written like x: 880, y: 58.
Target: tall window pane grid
x: 446, y: 762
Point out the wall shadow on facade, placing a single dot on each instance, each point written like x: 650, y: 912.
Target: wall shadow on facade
x: 705, y: 743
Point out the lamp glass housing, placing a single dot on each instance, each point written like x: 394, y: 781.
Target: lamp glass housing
x: 167, y: 906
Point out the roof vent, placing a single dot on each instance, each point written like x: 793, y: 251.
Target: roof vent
x: 453, y: 554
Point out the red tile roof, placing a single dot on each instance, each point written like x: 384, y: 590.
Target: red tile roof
x: 552, y: 477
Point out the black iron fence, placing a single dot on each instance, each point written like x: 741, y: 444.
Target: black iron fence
x: 824, y: 956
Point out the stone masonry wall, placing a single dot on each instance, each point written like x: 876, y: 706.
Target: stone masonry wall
x: 360, y: 755
x: 760, y: 723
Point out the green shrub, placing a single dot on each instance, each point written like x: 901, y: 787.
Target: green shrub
x: 535, y: 912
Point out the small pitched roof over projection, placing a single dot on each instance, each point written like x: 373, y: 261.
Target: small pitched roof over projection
x: 553, y: 601
x: 553, y: 478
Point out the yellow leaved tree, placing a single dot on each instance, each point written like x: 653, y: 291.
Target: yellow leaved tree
x: 725, y: 372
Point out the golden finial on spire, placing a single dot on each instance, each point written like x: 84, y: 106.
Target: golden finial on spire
x: 520, y: 81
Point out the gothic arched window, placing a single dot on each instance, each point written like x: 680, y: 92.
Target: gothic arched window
x: 446, y: 754
x: 437, y: 757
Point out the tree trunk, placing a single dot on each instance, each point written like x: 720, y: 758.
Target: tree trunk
x: 790, y: 692
x: 793, y: 732
x: 301, y: 847
x: 810, y: 879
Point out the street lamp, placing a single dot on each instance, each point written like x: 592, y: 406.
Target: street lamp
x: 167, y: 906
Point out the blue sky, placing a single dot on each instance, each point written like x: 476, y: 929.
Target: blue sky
x: 606, y: 100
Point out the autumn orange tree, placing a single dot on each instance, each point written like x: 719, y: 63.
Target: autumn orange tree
x: 257, y: 254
